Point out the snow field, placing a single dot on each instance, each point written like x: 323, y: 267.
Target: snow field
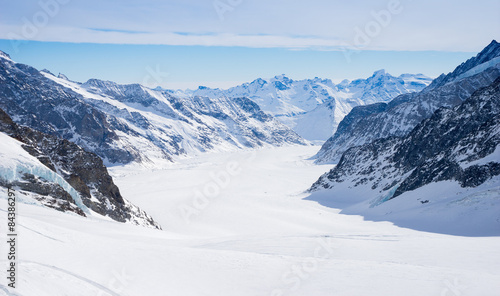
x: 256, y: 236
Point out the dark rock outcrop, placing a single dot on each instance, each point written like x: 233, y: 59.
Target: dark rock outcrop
x: 83, y: 170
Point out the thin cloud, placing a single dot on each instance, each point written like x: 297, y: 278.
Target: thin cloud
x: 318, y: 24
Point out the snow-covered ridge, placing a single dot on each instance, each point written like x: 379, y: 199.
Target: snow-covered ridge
x: 495, y: 62
x: 315, y: 107
x: 4, y: 55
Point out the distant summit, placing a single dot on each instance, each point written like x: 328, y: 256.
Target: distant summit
x: 314, y: 107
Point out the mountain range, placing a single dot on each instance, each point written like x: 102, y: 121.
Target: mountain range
x: 132, y: 123
x: 314, y: 107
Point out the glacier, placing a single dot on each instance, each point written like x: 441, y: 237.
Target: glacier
x: 15, y: 162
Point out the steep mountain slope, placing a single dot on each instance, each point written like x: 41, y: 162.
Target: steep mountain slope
x: 367, y: 123
x: 488, y: 57
x: 61, y: 175
x: 459, y: 145
x: 314, y: 107
x: 125, y: 123
x: 35, y: 101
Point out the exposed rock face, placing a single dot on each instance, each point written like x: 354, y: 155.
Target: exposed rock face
x: 397, y: 118
x: 458, y: 144
x: 83, y: 170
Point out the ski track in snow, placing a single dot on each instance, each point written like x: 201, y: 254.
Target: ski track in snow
x: 257, y: 236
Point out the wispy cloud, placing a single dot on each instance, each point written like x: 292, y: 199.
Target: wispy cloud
x: 319, y: 24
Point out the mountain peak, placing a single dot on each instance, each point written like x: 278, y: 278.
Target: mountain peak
x: 47, y: 71
x: 344, y: 82
x: 283, y: 78
x: 62, y: 76
x: 379, y: 73
x: 493, y: 43
x: 259, y: 81
x: 5, y: 55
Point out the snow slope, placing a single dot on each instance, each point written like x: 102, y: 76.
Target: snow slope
x: 256, y: 236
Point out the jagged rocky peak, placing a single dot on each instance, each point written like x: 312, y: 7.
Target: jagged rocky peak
x: 283, y: 78
x: 379, y: 73
x: 259, y: 82
x: 281, y: 82
x: 47, y: 71
x: 90, y: 185
x: 132, y: 93
x: 489, y: 53
x: 109, y: 86
x: 62, y: 76
x: 4, y: 55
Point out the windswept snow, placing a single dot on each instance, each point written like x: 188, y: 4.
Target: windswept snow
x: 251, y: 233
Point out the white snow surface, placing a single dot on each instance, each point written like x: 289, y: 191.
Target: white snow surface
x: 254, y: 233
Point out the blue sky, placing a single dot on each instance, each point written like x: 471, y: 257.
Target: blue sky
x: 219, y: 43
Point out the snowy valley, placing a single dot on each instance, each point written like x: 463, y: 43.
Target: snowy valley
x: 258, y: 236
x: 127, y: 190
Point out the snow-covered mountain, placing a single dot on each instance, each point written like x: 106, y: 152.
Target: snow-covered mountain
x: 125, y: 123
x: 59, y: 174
x: 365, y: 124
x: 314, y: 107
x: 448, y: 160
